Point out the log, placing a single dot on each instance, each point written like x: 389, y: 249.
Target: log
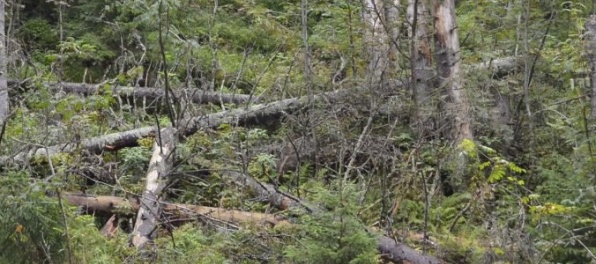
x: 257, y: 114
x: 497, y: 67
x: 390, y: 249
x: 193, y: 95
x: 177, y: 212
x: 150, y: 207
x: 244, y: 116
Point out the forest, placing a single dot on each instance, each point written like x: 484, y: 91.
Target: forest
x: 298, y: 131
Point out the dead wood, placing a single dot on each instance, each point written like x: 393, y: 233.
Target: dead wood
x: 174, y: 212
x: 148, y: 93
x: 253, y: 115
x: 498, y: 67
x: 110, y: 229
x: 390, y: 249
x: 157, y: 175
x: 590, y: 48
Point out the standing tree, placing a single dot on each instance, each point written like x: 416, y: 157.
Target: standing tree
x: 381, y: 18
x: 591, y: 54
x: 448, y: 67
x: 3, y: 83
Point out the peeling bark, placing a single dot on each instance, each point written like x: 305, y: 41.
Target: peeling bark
x: 157, y: 174
x: 192, y: 95
x: 448, y: 68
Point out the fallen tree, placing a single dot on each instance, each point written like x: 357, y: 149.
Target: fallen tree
x: 497, y: 67
x: 150, y: 209
x: 257, y: 114
x: 108, y: 205
x: 390, y: 249
x: 148, y: 93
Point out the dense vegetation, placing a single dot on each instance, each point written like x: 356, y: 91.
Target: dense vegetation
x: 367, y: 159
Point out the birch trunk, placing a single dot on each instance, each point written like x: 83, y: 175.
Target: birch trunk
x: 150, y: 207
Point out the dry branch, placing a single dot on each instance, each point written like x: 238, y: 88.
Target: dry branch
x: 157, y: 174
x: 193, y: 95
x: 176, y: 212
x: 257, y: 114
x: 389, y: 248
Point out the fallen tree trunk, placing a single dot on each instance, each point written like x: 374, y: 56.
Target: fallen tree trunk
x: 176, y: 212
x: 257, y: 114
x: 390, y: 249
x: 193, y: 95
x: 157, y: 174
x: 497, y: 67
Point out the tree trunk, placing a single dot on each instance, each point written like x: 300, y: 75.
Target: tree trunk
x: 392, y: 25
x: 591, y: 54
x: 254, y: 115
x: 150, y: 208
x: 4, y: 109
x: 448, y: 68
x: 125, y: 92
x: 420, y: 52
x: 177, y: 212
x: 376, y: 40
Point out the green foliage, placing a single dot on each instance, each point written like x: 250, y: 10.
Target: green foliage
x: 188, y: 244
x: 336, y: 236
x: 137, y: 158
x: 39, y: 35
x: 31, y: 225
x: 521, y: 177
